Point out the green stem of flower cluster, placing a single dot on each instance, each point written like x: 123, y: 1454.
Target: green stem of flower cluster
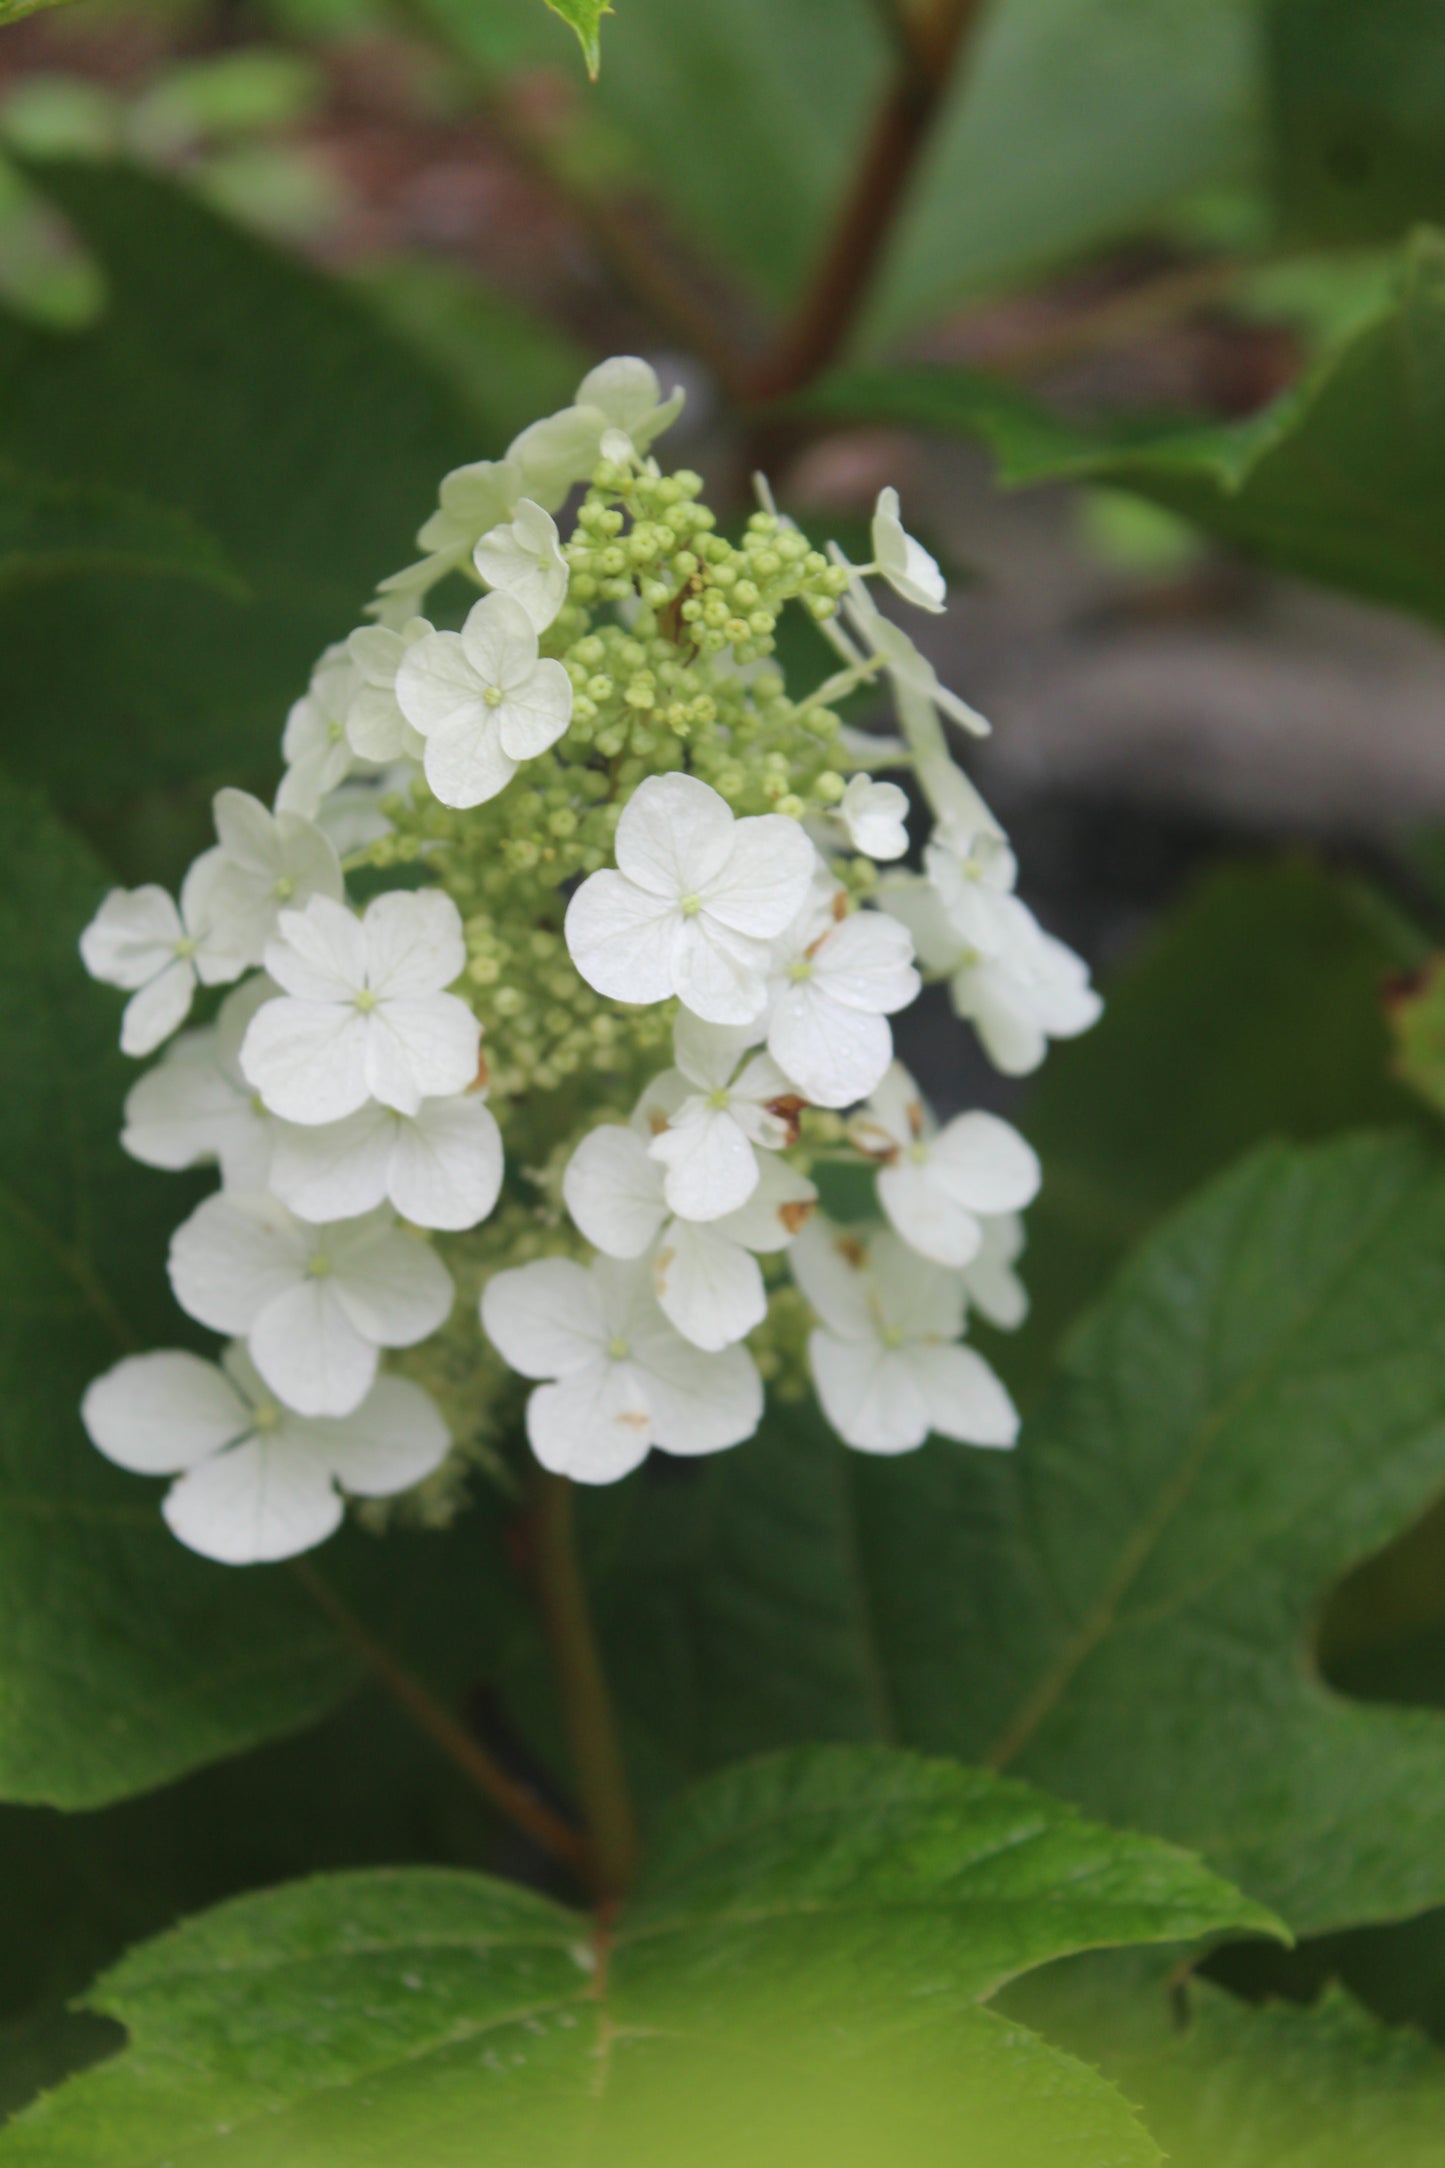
x: 612, y: 1845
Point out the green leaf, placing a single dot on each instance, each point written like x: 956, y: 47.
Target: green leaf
x: 48, y: 528
x: 1224, y: 2084
x: 1340, y: 480
x: 807, y: 1953
x: 1207, y: 1022
x: 1357, y: 115
x: 11, y: 11
x: 585, y: 16
x: 250, y: 393
x: 123, y: 1659
x: 1123, y: 1610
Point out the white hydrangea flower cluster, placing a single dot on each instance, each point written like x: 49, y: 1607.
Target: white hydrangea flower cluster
x: 585, y: 826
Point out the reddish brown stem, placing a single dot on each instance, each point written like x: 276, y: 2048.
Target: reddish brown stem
x: 902, y: 130
x: 520, y: 1805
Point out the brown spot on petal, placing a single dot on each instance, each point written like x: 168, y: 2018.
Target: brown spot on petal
x: 840, y: 904
x: 796, y: 1216
x: 660, y: 1266
x: 788, y: 1108
x: 483, y: 1076
x: 852, y: 1252
x: 915, y: 1117
x: 635, y: 1418
x: 657, y: 1121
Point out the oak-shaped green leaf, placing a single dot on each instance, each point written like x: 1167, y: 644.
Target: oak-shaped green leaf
x: 50, y: 528
x: 1123, y: 1609
x: 123, y: 1659
x: 585, y: 16
x: 1341, y: 479
x: 804, y: 1963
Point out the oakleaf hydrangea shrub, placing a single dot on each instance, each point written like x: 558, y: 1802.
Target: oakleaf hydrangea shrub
x: 562, y: 964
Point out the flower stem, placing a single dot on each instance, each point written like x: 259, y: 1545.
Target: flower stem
x: 515, y: 1800
x: 612, y: 1842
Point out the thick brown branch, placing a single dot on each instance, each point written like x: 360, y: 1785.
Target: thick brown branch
x: 521, y: 1806
x: 902, y: 130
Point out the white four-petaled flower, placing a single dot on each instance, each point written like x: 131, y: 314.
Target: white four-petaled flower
x: 694, y: 903
x: 255, y: 1481
x: 314, y: 1303
x: 482, y: 701
x: 524, y: 560
x: 618, y: 414
x: 838, y: 976
x: 708, y: 1143
x: 885, y: 1357
x: 363, y: 1014
x: 939, y: 1186
x: 158, y: 953
x: 375, y: 725
x: 875, y: 817
x: 270, y: 862
x: 314, y: 745
x: 620, y: 1380
x: 704, y: 1273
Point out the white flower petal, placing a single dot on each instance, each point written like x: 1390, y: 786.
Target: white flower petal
x: 414, y: 942
x: 994, y: 1288
x: 268, y: 1499
x: 985, y: 1164
x: 614, y: 1191
x: 594, y: 1426
x: 676, y: 835
x: 319, y: 953
x: 830, y: 1265
x: 869, y: 1394
x: 232, y: 1257
x: 464, y: 761
x: 524, y: 560
x: 335, y: 1170
x: 765, y: 881
x: 425, y: 1049
x: 867, y: 962
x: 151, y: 1015
x: 834, y: 1054
x: 446, y: 1164
x: 875, y: 816
x: 391, y: 1284
x: 394, y: 1439
x: 437, y: 686
x: 777, y: 1211
x: 964, y: 1398
x: 718, y: 974
x: 709, y: 1288
x: 308, y: 1059
x: 536, y: 714
x: 545, y: 1319
x: 554, y: 454
x: 711, y: 1168
x: 906, y: 565
x: 132, y: 937
x: 309, y: 1351
x: 700, y: 1403
x: 707, y: 1054
x: 158, y: 1414
x: 620, y: 938
x: 929, y: 1219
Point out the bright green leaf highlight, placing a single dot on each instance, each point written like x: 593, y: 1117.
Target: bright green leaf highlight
x: 804, y: 1961
x: 1416, y: 1010
x: 123, y: 1660
x: 11, y: 11
x: 49, y: 528
x: 1122, y: 1610
x: 585, y: 16
x: 1341, y: 480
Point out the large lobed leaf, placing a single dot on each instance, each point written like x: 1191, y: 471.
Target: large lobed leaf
x: 1123, y: 1610
x: 804, y: 1962
x: 1340, y: 480
x: 260, y: 400
x: 50, y: 528
x: 123, y: 1659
